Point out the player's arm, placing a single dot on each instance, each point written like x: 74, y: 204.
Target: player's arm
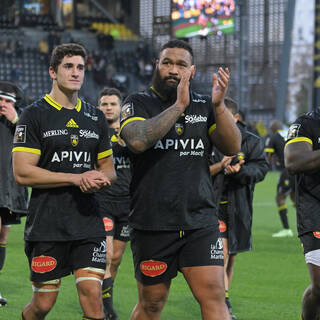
x: 226, y: 136
x: 219, y: 166
x: 300, y: 157
x: 27, y: 173
x: 141, y: 135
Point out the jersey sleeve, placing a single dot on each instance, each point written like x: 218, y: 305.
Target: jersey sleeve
x: 300, y: 130
x: 26, y: 137
x: 269, y: 145
x: 104, y: 147
x: 133, y: 109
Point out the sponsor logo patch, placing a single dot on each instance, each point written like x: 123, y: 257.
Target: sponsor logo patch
x: 43, y: 264
x: 99, y: 254
x: 293, y: 131
x: 126, y: 111
x: 74, y: 140
x: 108, y: 224
x: 222, y: 226
x: 216, y: 250
x: 20, y: 134
x: 316, y: 234
x: 152, y: 268
x: 194, y: 118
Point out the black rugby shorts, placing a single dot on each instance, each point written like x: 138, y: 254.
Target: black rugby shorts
x: 115, y: 217
x: 159, y: 255
x: 285, y: 182
x: 310, y: 241
x: 8, y: 217
x: 223, y: 219
x: 50, y: 260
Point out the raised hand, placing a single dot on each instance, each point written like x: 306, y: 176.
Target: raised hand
x: 220, y: 86
x: 183, y: 94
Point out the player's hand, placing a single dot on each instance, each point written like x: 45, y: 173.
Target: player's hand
x: 233, y: 169
x: 183, y: 93
x: 91, y: 181
x: 226, y: 160
x: 8, y: 111
x: 220, y: 86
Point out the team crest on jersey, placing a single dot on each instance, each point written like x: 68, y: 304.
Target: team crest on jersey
x: 20, y: 134
x: 179, y: 128
x: 293, y: 131
x: 74, y: 140
x: 126, y: 111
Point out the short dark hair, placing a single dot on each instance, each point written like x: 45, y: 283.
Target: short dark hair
x: 110, y: 92
x: 66, y: 49
x: 231, y: 105
x: 176, y: 43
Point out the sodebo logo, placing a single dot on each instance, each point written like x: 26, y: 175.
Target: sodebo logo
x: 193, y: 118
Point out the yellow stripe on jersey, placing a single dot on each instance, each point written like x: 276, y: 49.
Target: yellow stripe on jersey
x: 28, y: 150
x: 104, y: 154
x: 270, y: 150
x: 212, y: 128
x: 299, y: 139
x: 130, y: 120
x: 114, y: 138
x: 58, y: 106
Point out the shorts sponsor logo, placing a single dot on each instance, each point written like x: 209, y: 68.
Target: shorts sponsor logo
x: 20, y: 134
x: 43, y: 264
x: 216, y: 250
x: 108, y: 224
x: 293, y: 131
x: 125, y: 232
x: 127, y: 111
x: 316, y: 234
x: 222, y: 226
x: 152, y: 268
x: 99, y: 254
x: 74, y: 140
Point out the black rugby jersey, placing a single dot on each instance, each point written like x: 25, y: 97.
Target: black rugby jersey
x: 307, y: 128
x: 121, y: 158
x: 69, y: 141
x: 275, y: 144
x: 171, y: 186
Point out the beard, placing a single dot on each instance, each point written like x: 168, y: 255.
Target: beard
x: 168, y: 91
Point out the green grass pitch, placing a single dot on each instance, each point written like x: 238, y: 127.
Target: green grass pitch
x: 268, y: 281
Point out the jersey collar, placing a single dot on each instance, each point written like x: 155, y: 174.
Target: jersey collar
x: 58, y: 106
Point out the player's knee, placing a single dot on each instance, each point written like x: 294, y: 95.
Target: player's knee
x: 315, y: 289
x: 153, y: 305
x: 86, y: 277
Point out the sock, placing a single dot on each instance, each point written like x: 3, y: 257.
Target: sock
x: 107, y: 297
x: 283, y: 212
x: 228, y: 301
x: 2, y: 255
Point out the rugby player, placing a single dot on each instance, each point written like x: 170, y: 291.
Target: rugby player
x: 62, y: 150
x: 115, y: 201
x: 234, y: 182
x: 13, y: 198
x: 175, y: 227
x: 285, y: 186
x: 302, y: 158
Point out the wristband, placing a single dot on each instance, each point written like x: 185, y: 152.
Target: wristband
x: 15, y: 120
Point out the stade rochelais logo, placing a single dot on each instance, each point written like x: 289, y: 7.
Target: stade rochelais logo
x: 193, y: 118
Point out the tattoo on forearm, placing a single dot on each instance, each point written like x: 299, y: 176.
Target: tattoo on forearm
x: 148, y: 132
